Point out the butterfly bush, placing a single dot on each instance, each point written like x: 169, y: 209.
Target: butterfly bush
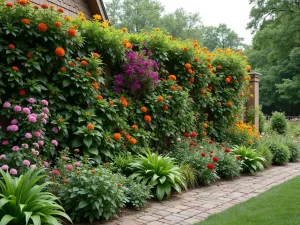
x: 140, y: 74
x: 23, y: 139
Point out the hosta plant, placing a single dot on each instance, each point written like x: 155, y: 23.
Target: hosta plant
x: 251, y: 160
x: 23, y: 201
x: 158, y: 171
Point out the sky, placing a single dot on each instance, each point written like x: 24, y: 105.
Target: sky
x: 234, y: 13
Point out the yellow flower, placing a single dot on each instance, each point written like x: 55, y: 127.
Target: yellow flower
x: 124, y: 30
x: 105, y: 24
x: 81, y: 14
x: 97, y: 17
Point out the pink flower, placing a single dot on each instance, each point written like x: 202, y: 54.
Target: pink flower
x: 4, y: 167
x: 6, y: 105
x: 14, y: 122
x: 64, y: 158
x: 46, y: 110
x: 55, y: 172
x: 44, y: 102
x: 26, y: 163
x: 46, y: 164
x: 26, y: 110
x: 36, y: 145
x: 76, y: 164
x: 25, y: 146
x: 33, y: 114
x: 17, y: 108
x: 69, y: 167
x: 54, y: 142
x: 2, y: 156
x: 76, y: 150
x: 55, y: 130
x: 36, y: 153
x: 37, y: 134
x: 41, y: 143
x: 28, y: 135
x: 31, y: 100
x: 13, y: 171
x: 44, y: 121
x: 5, y: 142
x: 33, y: 167
x: 13, y: 128
x: 15, y: 148
x: 32, y: 119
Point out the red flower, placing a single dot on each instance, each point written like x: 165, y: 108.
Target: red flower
x: 45, y: 6
x: 210, y: 142
x: 22, y: 92
x: 194, y: 134
x: 60, y: 10
x: 11, y: 46
x: 227, y: 150
x: 238, y: 157
x: 215, y: 159
x: 222, y: 144
x: 9, y: 4
x: 187, y: 135
x: 42, y: 27
x: 55, y: 172
x: 15, y: 68
x: 210, y: 166
x: 72, y: 32
x: 29, y: 55
x: 203, y: 154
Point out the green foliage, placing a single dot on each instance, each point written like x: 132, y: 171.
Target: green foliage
x: 137, y: 194
x: 251, y: 160
x: 279, y: 122
x: 93, y: 194
x: 23, y: 201
x: 189, y: 174
x: 266, y: 153
x: 262, y: 121
x: 121, y: 164
x: 280, y: 152
x: 158, y: 171
x: 228, y: 166
x: 294, y: 149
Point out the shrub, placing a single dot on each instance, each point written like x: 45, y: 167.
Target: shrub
x: 24, y: 202
x: 189, y: 174
x: 158, y: 171
x: 266, y: 153
x: 137, y: 194
x: 294, y: 150
x: 279, y: 122
x: 93, y: 194
x: 228, y: 165
x: 262, y: 121
x: 121, y: 164
x: 251, y: 160
x: 280, y: 152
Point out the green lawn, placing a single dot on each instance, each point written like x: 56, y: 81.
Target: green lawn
x: 278, y: 206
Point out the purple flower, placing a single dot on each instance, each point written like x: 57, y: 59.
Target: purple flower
x: 26, y: 163
x: 15, y: 148
x: 17, y: 108
x: 13, y: 171
x: 4, y: 167
x: 31, y: 100
x: 55, y: 130
x: 26, y: 110
x: 25, y: 146
x: 14, y: 122
x: 37, y: 134
x: 44, y: 102
x: 2, y: 157
x: 13, y: 128
x: 6, y: 105
x: 5, y: 142
x: 54, y: 142
x: 28, y: 135
x: 46, y: 110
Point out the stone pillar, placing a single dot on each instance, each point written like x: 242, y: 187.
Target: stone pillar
x: 253, y: 102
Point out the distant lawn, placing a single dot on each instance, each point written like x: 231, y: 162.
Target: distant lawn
x: 278, y: 206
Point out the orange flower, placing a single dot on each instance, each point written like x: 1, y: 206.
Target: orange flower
x: 93, y: 171
x: 242, y: 94
x: 15, y: 68
x: 88, y: 74
x: 42, y: 27
x: 99, y: 97
x: 60, y: 10
x: 96, y: 55
x: 90, y: 126
x: 203, y: 92
x: 209, y: 66
x: 187, y: 66
x: 117, y: 136
x: 58, y: 25
x: 96, y: 86
x: 185, y: 49
x: 219, y: 67
x: 72, y: 64
x: 157, y: 29
x: 111, y: 103
x: 120, y: 185
x: 127, y: 136
x: 123, y: 98
x: 35, y: 7
x: 160, y: 98
x: 227, y: 80
x: 11, y: 46
x: 208, y: 60
x: 97, y: 17
x: 229, y: 104
x: 196, y: 59
x: 172, y: 77
x: 29, y: 55
x: 165, y: 107
x: 84, y: 63
x: 135, y: 127
x: 191, y: 79
x: 63, y: 69
x: 25, y: 21
x: 144, y: 109
x: 124, y: 30
x: 124, y: 103
x: 179, y: 88
x: 173, y: 88
x: 60, y: 52
x: 204, y: 133
x: 190, y: 71
x: 205, y: 125
x: 22, y: 2
x: 147, y: 119
x: 67, y: 18
x: 72, y: 32
x: 251, y: 96
x: 45, y: 6
x: 132, y: 141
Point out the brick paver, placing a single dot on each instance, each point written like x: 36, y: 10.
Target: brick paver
x: 197, y: 204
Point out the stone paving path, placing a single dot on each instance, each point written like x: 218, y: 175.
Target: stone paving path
x: 197, y: 204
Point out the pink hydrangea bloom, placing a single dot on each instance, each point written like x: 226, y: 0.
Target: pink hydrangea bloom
x: 32, y: 119
x: 44, y: 102
x: 77, y: 164
x: 17, y: 108
x: 28, y: 135
x: 15, y: 148
x: 2, y: 156
x: 69, y: 167
x: 31, y: 100
x: 14, y: 122
x: 26, y: 110
x: 55, y: 172
x: 13, y: 128
x: 54, y: 142
x: 46, y: 110
x: 5, y: 142
x: 37, y: 134
x: 55, y: 130
x: 6, y: 105
x: 25, y: 146
x: 4, y: 167
x: 13, y: 171
x: 26, y: 163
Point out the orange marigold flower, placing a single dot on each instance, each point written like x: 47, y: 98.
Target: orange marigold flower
x: 96, y: 87
x: 72, y: 32
x: 173, y: 88
x: 227, y: 80
x: 93, y: 171
x: 251, y: 96
x: 90, y: 126
x: 132, y: 141
x: 111, y: 103
x: 219, y: 67
x: 42, y: 27
x: 144, y: 109
x: 9, y: 4
x: 172, y: 77
x: 124, y: 30
x: 60, y: 10
x: 208, y: 60
x: 157, y: 29
x: 88, y: 74
x: 135, y: 127
x: 196, y: 59
x: 45, y: 6
x: 127, y: 136
x: 25, y: 21
x: 63, y: 69
x: 187, y: 66
x: 160, y: 98
x: 96, y: 55
x: 209, y: 66
x: 22, y: 2
x: 203, y: 92
x: 67, y: 18
x: 36, y: 7
x: 29, y: 55
x: 124, y: 103
x: 60, y: 52
x: 72, y: 64
x: 11, y: 46
x: 185, y: 49
x: 147, y: 119
x: 165, y: 107
x: 191, y: 79
x: 84, y: 63
x: 97, y: 17
x: 58, y: 24
x: 117, y: 136
x: 99, y: 97
x: 204, y: 133
x: 123, y: 98
x: 179, y: 88
x: 229, y: 104
x: 190, y: 71
x: 205, y: 125
x: 15, y: 68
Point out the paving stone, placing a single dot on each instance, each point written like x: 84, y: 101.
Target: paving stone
x: 174, y: 218
x: 148, y: 218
